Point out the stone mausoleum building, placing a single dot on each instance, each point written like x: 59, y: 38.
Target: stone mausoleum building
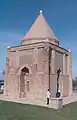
x: 31, y: 68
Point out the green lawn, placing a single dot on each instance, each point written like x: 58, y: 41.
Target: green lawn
x: 13, y: 111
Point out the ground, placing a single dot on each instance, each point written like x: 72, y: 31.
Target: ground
x: 15, y: 111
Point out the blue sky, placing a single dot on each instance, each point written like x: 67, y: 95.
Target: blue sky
x: 16, y: 16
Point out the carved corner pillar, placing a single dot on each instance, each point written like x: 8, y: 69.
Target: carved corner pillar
x: 8, y: 56
x: 53, y: 61
x: 64, y: 64
x: 46, y: 60
x: 7, y: 68
x: 70, y: 72
x: 35, y: 56
x: 17, y: 58
x: 5, y: 82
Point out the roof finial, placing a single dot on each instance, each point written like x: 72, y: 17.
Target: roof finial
x: 41, y: 11
x: 69, y: 50
x: 8, y: 46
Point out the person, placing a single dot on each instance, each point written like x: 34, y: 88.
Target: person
x: 59, y: 92
x: 48, y: 96
x: 2, y: 87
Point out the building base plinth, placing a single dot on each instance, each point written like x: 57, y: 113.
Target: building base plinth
x: 56, y: 103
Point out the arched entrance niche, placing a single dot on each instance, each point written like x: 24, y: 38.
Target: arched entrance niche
x: 24, y: 72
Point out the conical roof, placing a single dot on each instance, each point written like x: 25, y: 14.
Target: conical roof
x: 40, y: 29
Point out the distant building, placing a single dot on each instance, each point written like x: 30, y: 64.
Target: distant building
x: 31, y: 68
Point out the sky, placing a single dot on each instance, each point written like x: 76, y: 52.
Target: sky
x: 16, y: 17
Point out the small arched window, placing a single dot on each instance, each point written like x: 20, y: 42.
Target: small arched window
x: 25, y: 70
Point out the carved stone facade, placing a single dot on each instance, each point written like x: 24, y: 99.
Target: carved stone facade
x: 31, y: 68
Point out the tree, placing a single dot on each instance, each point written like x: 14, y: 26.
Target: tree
x: 74, y: 83
x: 75, y: 78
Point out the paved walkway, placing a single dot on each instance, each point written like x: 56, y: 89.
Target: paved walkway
x: 25, y: 101
x: 66, y: 100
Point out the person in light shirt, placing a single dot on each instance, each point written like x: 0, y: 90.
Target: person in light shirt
x: 48, y: 96
x: 2, y: 87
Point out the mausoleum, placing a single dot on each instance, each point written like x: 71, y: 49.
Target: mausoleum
x: 31, y: 68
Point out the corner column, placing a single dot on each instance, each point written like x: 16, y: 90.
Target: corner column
x: 64, y: 73
x: 6, y: 72
x: 17, y: 58
x: 53, y: 76
x: 64, y: 65
x: 17, y: 76
x: 53, y: 61
x: 70, y: 71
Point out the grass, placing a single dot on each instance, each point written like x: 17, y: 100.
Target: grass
x: 14, y: 111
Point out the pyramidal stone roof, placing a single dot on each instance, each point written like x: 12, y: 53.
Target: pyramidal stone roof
x: 40, y: 29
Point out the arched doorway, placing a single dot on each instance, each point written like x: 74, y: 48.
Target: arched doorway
x: 24, y: 71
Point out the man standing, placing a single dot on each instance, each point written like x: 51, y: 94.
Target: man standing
x: 48, y: 96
